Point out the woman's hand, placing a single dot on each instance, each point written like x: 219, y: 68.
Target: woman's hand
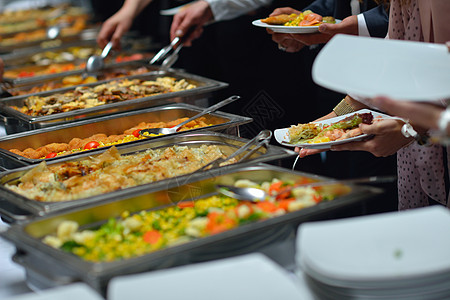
x: 387, y: 139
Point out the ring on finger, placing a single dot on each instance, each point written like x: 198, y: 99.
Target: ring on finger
x: 281, y: 47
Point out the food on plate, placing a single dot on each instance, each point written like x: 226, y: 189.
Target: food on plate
x: 306, y: 18
x: 102, y: 140
x: 109, y: 92
x: 279, y: 19
x: 137, y: 234
x: 312, y: 133
x: 111, y: 171
x: 72, y: 80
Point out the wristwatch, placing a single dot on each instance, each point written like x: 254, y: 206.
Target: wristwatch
x: 443, y: 121
x: 343, y: 108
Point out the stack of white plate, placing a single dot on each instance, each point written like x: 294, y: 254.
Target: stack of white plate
x: 400, y: 255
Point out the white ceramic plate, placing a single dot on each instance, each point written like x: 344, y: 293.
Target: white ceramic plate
x: 74, y: 291
x: 282, y: 135
x: 377, y: 250
x: 370, y: 67
x: 251, y: 276
x: 287, y: 29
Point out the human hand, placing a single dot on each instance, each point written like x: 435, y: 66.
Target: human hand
x: 115, y: 27
x: 193, y: 17
x: 423, y: 114
x: 295, y: 42
x: 387, y: 139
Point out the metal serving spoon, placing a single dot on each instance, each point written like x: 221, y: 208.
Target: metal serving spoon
x: 147, y: 132
x: 95, y: 62
x: 53, y: 32
x: 256, y: 195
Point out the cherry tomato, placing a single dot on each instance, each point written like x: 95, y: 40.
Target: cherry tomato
x: 136, y: 133
x: 51, y: 155
x: 91, y: 145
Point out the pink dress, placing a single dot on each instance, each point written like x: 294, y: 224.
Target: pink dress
x: 421, y: 169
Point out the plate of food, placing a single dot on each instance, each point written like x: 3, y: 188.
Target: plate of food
x: 326, y: 133
x: 305, y: 22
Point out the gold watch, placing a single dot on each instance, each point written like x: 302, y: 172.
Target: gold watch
x: 343, y: 108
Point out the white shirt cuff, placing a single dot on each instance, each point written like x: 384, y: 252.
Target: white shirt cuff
x: 362, y: 26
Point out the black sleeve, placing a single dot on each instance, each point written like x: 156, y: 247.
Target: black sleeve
x: 322, y: 7
x: 377, y: 21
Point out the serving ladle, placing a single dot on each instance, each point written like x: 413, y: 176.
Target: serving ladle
x: 256, y: 195
x: 157, y: 131
x: 96, y: 62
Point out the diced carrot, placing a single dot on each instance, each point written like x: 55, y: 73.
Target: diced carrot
x: 219, y: 222
x: 284, y: 204
x: 317, y: 198
x: 267, y: 206
x: 275, y: 187
x: 183, y: 204
x: 152, y: 236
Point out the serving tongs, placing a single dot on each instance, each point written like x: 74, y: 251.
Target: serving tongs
x: 175, y: 46
x: 4, y: 87
x: 255, y: 194
x: 261, y: 139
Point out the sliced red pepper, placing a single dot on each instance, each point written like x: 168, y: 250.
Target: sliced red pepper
x: 51, y: 155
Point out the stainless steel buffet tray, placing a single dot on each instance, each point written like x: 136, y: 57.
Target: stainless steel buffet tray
x: 21, y: 61
x: 109, y: 125
x: 226, y: 143
x: 129, y: 46
x: 47, y: 266
x: 86, y: 34
x: 22, y: 122
x: 19, y: 57
x: 26, y: 83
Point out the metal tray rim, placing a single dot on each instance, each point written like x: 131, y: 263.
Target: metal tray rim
x: 233, y: 119
x: 15, y: 232
x: 43, y: 208
x: 212, y: 85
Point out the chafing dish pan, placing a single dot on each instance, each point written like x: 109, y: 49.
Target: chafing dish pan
x: 22, y: 83
x: 47, y: 266
x: 226, y: 143
x: 86, y: 34
x: 16, y: 121
x: 129, y: 46
x: 22, y: 62
x: 109, y: 125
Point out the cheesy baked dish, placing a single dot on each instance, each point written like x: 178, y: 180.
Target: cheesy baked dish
x: 111, y: 171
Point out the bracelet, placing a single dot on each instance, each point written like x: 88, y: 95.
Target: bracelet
x: 443, y: 121
x: 408, y: 131
x: 343, y: 108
